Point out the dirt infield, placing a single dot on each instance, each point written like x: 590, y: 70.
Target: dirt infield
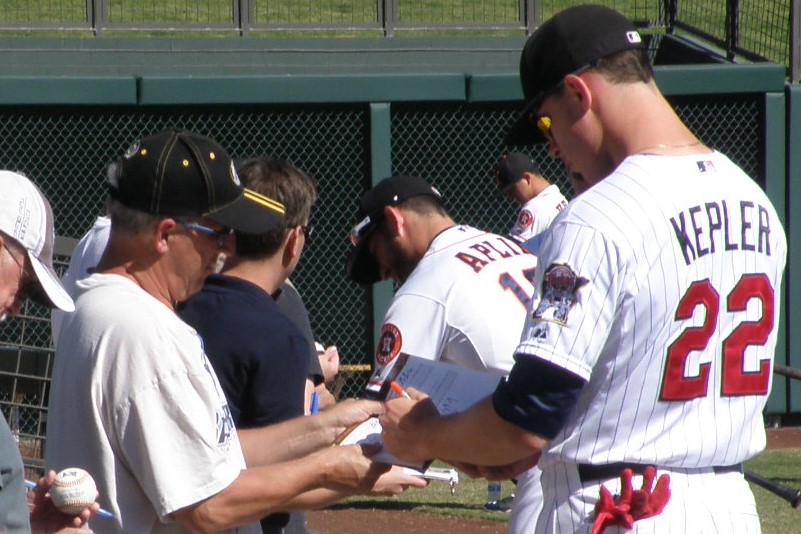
x: 342, y: 520
x: 350, y: 521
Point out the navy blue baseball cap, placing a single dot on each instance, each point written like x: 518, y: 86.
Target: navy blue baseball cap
x: 361, y: 265
x: 511, y: 168
x: 567, y: 43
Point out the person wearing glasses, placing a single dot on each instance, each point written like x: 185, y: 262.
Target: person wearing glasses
x: 134, y: 398
x: 462, y: 292
x: 647, y: 351
x: 26, y: 272
x: 264, y: 372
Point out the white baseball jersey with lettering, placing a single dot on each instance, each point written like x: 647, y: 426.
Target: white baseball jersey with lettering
x: 660, y: 286
x: 465, y: 303
x: 538, y: 213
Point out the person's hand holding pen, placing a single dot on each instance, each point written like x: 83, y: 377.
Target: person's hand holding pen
x: 398, y: 389
x: 347, y: 413
x: 405, y: 421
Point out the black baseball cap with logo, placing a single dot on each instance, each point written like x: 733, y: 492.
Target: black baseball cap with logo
x: 182, y: 174
x: 361, y: 265
x: 511, y: 168
x: 569, y: 42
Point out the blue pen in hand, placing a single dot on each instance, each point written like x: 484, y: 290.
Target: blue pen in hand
x: 105, y: 514
x: 315, y: 403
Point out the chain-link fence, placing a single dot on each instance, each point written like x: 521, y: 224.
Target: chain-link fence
x: 454, y: 145
x: 756, y: 30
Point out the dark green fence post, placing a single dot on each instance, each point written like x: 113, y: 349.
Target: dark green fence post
x: 380, y: 167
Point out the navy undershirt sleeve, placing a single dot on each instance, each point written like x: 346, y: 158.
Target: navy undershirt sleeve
x: 538, y: 396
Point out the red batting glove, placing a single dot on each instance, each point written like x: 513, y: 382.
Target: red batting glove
x: 631, y: 505
x: 648, y: 503
x: 610, y: 513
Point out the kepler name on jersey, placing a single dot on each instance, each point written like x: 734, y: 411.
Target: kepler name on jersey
x: 490, y: 250
x: 714, y: 226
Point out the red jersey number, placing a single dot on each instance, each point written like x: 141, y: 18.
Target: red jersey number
x: 735, y: 380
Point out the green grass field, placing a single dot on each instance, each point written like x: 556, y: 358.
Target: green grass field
x: 764, y: 26
x: 777, y: 516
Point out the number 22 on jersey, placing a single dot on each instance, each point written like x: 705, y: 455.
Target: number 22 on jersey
x: 735, y: 380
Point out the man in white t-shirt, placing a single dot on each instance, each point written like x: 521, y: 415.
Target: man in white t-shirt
x: 519, y: 179
x: 83, y: 261
x: 133, y: 397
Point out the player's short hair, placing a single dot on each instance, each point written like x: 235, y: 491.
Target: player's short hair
x: 282, y: 181
x: 421, y: 205
x: 628, y: 66
x: 424, y: 205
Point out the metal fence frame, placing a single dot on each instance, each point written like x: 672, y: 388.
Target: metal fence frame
x: 667, y: 18
x: 731, y: 41
x: 243, y: 21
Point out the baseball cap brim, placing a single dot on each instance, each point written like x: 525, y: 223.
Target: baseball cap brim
x: 501, y: 191
x: 361, y: 266
x: 251, y: 213
x: 49, y: 292
x: 523, y: 131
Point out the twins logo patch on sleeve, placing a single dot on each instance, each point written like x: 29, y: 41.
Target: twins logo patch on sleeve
x: 560, y: 285
x: 389, y: 344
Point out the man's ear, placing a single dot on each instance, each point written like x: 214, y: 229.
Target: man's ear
x: 578, y: 89
x: 292, y: 243
x: 161, y: 233
x: 394, y: 220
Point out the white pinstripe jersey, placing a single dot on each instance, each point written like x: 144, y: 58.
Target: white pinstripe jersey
x: 660, y: 285
x: 536, y: 214
x: 465, y: 302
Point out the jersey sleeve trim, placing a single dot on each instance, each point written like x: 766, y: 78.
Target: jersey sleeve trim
x: 549, y: 354
x: 538, y: 396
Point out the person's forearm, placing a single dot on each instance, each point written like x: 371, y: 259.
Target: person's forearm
x: 285, y: 441
x: 478, y: 436
x: 257, y: 492
x: 316, y: 498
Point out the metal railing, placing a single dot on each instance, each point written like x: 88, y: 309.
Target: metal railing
x: 246, y: 16
x: 753, y: 31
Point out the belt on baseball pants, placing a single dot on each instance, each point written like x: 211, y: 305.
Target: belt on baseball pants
x: 593, y: 472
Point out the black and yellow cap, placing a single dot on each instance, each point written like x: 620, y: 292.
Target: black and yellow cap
x: 182, y: 174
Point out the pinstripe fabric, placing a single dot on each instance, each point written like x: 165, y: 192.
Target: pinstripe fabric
x: 677, y: 261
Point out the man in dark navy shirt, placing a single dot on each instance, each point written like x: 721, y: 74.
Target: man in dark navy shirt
x: 260, y: 355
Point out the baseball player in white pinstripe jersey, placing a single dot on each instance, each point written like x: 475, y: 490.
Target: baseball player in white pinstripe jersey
x: 518, y: 179
x: 463, y: 292
x: 650, y: 341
